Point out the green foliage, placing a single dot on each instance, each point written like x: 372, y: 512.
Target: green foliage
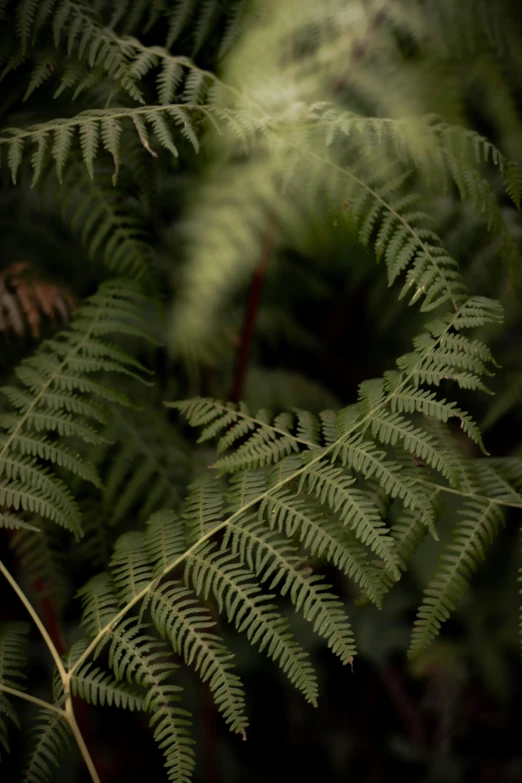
x: 292, y: 147
x: 55, y: 396
x: 12, y: 663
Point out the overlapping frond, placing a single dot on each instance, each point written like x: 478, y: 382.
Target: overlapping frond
x: 56, y: 395
x: 103, y: 219
x: 319, y: 479
x: 146, y: 464
x: 75, y: 25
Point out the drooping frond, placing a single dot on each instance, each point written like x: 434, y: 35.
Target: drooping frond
x: 472, y: 537
x: 355, y: 509
x: 56, y: 396
x: 275, y: 562
x: 178, y: 616
x: 323, y: 535
x: 95, y: 129
x: 240, y: 598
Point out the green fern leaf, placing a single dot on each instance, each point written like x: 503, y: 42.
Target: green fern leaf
x: 165, y: 540
x: 51, y: 738
x: 472, y: 536
x: 130, y: 565
x: 178, y: 616
x: 136, y: 656
x: 204, y: 507
x: 99, y: 603
x: 53, y: 378
x: 323, y: 535
x: 274, y: 561
x: 96, y: 687
x: 354, y: 507
x: 238, y: 595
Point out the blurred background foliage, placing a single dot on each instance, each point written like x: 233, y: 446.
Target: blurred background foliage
x: 326, y: 321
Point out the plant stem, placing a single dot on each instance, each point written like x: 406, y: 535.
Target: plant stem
x: 36, y: 619
x: 68, y: 713
x: 71, y: 720
x: 39, y: 702
x: 249, y: 322
x: 461, y: 493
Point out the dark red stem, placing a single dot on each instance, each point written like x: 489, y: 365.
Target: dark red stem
x: 247, y: 332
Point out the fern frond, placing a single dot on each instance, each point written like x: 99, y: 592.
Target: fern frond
x: 238, y: 595
x: 134, y: 655
x: 263, y: 438
x: 91, y: 126
x: 408, y: 533
x: 99, y: 603
x: 97, y: 687
x: 51, y: 737
x: 165, y: 540
x: 408, y: 399
x: 130, y: 565
x: 334, y: 488
x: 56, y: 378
x: 13, y: 659
x: 275, y: 562
x: 7, y: 716
x: 204, y: 507
x: 323, y: 535
x: 145, y: 465
x: 14, y: 522
x: 472, y: 536
x: 80, y: 27
x: 130, y: 14
x: 199, y: 20
x: 361, y: 456
x: 177, y: 615
x: 106, y: 226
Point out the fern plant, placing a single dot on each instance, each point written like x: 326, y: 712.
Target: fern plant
x: 285, y: 132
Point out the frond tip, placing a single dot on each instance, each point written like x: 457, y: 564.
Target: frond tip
x: 471, y: 539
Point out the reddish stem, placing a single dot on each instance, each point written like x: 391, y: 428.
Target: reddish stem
x: 247, y: 332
